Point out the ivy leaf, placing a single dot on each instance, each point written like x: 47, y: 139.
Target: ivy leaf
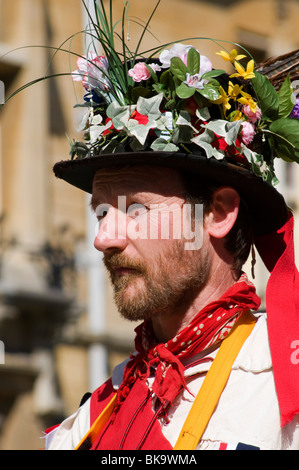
x: 139, y: 131
x: 204, y: 141
x: 119, y: 114
x: 150, y: 106
x: 267, y: 96
x: 286, y: 98
x: 193, y: 61
x: 285, y: 133
x: 164, y: 146
x: 178, y: 68
x: 228, y: 130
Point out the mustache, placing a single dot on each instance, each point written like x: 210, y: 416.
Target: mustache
x: 120, y: 260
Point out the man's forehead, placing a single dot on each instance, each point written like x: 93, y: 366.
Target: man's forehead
x: 138, y: 178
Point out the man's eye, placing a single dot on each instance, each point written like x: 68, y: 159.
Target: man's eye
x: 101, y: 217
x: 101, y: 211
x: 136, y: 210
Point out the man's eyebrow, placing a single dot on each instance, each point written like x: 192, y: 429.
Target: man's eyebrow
x: 141, y: 198
x: 93, y: 204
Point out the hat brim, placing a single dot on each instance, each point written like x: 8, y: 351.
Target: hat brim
x: 266, y: 205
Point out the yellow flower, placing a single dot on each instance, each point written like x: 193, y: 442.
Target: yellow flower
x: 231, y: 56
x: 237, y: 116
x: 224, y: 100
x: 241, y: 72
x: 234, y: 90
x: 247, y: 100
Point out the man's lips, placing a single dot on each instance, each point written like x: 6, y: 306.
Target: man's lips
x: 124, y: 270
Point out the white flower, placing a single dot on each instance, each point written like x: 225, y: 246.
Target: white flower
x: 92, y: 71
x: 205, y: 65
x: 155, y: 67
x: 195, y: 81
x: 181, y: 51
x: 177, y: 50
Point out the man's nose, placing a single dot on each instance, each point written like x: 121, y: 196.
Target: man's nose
x: 111, y: 234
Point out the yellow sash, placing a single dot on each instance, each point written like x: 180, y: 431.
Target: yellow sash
x: 97, y: 426
x: 207, y: 397
x: 214, y: 383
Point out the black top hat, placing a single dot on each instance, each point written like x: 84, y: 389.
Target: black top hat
x: 266, y: 205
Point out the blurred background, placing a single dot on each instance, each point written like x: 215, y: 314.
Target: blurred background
x: 60, y: 335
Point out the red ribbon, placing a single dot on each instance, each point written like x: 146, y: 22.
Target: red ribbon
x: 282, y: 300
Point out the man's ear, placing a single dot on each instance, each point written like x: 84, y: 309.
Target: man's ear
x: 223, y: 212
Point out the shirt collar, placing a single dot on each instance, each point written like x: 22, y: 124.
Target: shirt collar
x: 254, y: 356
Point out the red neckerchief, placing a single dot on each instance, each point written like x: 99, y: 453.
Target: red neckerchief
x: 282, y: 300
x: 208, y: 327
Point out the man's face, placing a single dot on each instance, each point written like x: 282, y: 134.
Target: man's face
x: 142, y: 233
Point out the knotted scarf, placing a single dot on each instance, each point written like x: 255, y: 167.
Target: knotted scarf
x: 210, y: 326
x: 282, y: 300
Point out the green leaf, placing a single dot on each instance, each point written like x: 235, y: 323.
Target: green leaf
x: 119, y: 114
x: 184, y: 91
x: 166, y: 78
x: 193, y: 61
x: 134, y: 93
x: 228, y: 130
x: 285, y: 133
x: 164, y: 146
x: 286, y: 98
x: 150, y: 106
x: 267, y: 96
x: 182, y: 134
x: 139, y: 131
x: 212, y: 74
x: 178, y: 68
x: 210, y: 92
x: 152, y: 72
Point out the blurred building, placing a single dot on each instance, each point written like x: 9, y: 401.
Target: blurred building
x: 60, y: 334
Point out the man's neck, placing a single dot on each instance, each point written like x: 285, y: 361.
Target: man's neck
x: 169, y: 323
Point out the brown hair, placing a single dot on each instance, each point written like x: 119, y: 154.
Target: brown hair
x: 239, y: 240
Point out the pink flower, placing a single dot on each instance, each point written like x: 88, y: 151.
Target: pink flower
x: 247, y: 132
x: 253, y: 117
x: 139, y: 72
x: 92, y: 71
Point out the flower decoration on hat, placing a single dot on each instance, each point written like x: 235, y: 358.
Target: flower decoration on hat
x: 171, y: 99
x: 178, y: 102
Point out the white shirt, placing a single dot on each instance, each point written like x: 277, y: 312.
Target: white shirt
x: 247, y: 411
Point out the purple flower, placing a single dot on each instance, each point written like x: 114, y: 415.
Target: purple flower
x: 295, y: 112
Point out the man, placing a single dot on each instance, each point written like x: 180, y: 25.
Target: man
x: 159, y: 281
x: 179, y: 159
